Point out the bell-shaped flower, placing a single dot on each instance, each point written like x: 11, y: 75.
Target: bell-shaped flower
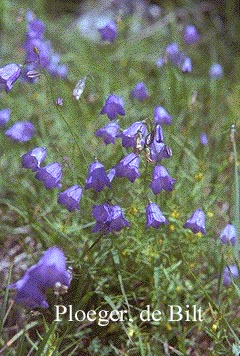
x: 190, y: 35
x: 161, y: 116
x: 108, y: 132
x: 196, y: 222
x: 34, y: 158
x: 128, y: 167
x: 9, y: 74
x: 158, y: 151
x: 35, y: 28
x: 229, y: 235
x: 161, y: 180
x: 130, y: 136
x: 4, y: 116
x: 113, y: 106
x: 71, y: 197
x: 216, y: 71
x: 140, y: 91
x: 50, y: 175
x: 230, y: 273
x: 154, y: 216
x: 109, y: 32
x: 21, y: 131
x: 118, y: 220
x: 111, y: 174
x: 97, y: 177
x: 203, y: 139
x: 187, y: 65
x: 159, y: 134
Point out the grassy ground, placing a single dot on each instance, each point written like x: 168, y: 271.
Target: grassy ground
x: 138, y: 266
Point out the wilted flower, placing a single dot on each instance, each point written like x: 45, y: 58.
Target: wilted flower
x: 129, y: 135
x: 229, y: 235
x: 34, y: 158
x: 161, y: 116
x: 97, y: 177
x: 108, y: 132
x: 154, y: 216
x: 216, y: 71
x: 203, y: 138
x: 161, y: 180
x: 140, y: 91
x: 9, y: 74
x: 70, y: 198
x: 4, y: 116
x: 79, y: 88
x: 187, y: 65
x: 190, y: 35
x: 113, y: 106
x: 128, y: 167
x: 108, y: 32
x: 196, y: 223
x: 50, y: 270
x: 21, y: 131
x: 229, y: 273
x: 50, y: 175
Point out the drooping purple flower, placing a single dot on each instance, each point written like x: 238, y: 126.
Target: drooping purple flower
x: 21, y: 131
x: 158, y: 151
x: 97, y: 177
x: 140, y: 92
x: 109, y: 32
x: 118, y: 220
x: 160, y: 62
x: 161, y: 116
x: 196, y: 222
x: 35, y: 28
x: 229, y: 235
x: 161, y: 180
x: 113, y: 106
x: 50, y: 175
x: 187, y: 65
x: 128, y: 167
x: 71, y: 197
x: 216, y: 71
x: 59, y: 101
x: 159, y: 134
x: 171, y: 49
x: 9, y: 74
x: 191, y: 35
x: 111, y: 174
x: 154, y: 216
x: 174, y: 55
x: 47, y: 273
x: 4, y: 116
x: 34, y: 158
x: 203, y: 139
x: 229, y: 273
x: 108, y: 132
x: 129, y: 135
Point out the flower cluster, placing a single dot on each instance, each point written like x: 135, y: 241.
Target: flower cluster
x: 177, y: 57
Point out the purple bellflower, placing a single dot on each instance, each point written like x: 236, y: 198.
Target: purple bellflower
x: 161, y: 116
x: 4, y: 116
x: 229, y: 235
x: 216, y: 71
x: 128, y: 167
x: 154, y: 216
x: 140, y: 92
x: 203, y: 139
x: 34, y: 158
x: 160, y: 62
x: 59, y: 101
x: 158, y: 151
x: 97, y: 177
x: 191, y: 35
x: 47, y: 273
x: 108, y: 132
x: 129, y: 135
x: 9, y: 74
x: 50, y: 175
x: 71, y: 197
x: 109, y: 32
x: 161, y: 180
x: 21, y: 131
x: 111, y: 174
x: 113, y: 106
x: 229, y: 273
x: 196, y: 222
x: 187, y: 65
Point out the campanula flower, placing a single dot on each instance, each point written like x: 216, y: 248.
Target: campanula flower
x: 108, y: 132
x: 159, y: 134
x: 154, y: 216
x: 229, y: 273
x: 59, y: 101
x: 49, y: 271
x: 118, y: 220
x: 50, y: 175
x: 196, y: 222
x: 216, y: 71
x: 70, y: 198
x: 129, y: 136
x: 229, y: 235
x: 161, y: 116
x: 97, y: 177
x: 128, y: 167
x: 140, y: 91
x: 161, y: 180
x: 160, y: 62
x: 187, y: 65
x: 21, y: 131
x: 113, y: 106
x: 109, y: 32
x: 111, y: 174
x: 175, y: 56
x: 191, y: 35
x: 9, y: 74
x: 203, y: 139
x: 34, y: 158
x: 4, y: 116
x: 158, y: 151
